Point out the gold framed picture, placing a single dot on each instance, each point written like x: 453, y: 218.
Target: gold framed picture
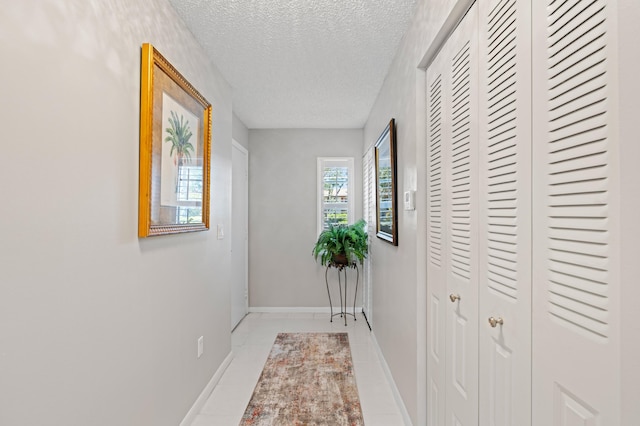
x: 175, y: 150
x: 386, y: 193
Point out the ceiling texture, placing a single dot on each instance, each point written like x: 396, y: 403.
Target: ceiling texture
x: 300, y: 63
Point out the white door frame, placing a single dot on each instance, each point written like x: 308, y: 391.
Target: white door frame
x: 239, y: 147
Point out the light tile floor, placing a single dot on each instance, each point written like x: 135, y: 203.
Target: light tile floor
x: 252, y: 341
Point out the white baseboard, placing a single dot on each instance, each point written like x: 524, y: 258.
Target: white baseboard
x: 392, y: 383
x: 300, y: 310
x: 204, y: 395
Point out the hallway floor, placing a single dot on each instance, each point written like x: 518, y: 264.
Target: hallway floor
x: 252, y: 341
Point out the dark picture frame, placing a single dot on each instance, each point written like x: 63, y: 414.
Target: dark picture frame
x: 386, y: 185
x: 175, y: 150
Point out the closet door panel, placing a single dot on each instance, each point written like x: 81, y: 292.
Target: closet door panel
x: 436, y: 244
x: 576, y: 379
x: 452, y: 138
x: 505, y: 213
x: 461, y: 213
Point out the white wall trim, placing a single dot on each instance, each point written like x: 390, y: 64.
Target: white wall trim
x: 455, y: 16
x: 239, y: 146
x: 301, y: 310
x: 204, y: 395
x: 245, y: 151
x: 392, y: 383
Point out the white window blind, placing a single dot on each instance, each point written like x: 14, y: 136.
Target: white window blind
x: 189, y: 194
x: 369, y: 204
x: 335, y: 191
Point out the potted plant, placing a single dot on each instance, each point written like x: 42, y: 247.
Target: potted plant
x: 342, y: 245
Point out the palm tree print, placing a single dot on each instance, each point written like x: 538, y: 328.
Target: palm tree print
x: 179, y: 135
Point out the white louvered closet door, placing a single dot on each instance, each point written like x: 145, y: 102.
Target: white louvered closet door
x: 505, y: 219
x: 452, y: 212
x: 576, y: 296
x: 461, y: 193
x: 436, y: 244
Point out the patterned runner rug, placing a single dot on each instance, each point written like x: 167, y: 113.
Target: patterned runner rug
x: 308, y: 379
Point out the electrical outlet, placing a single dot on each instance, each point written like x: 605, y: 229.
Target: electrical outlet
x: 200, y: 346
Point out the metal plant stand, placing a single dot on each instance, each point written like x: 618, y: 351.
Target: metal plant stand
x: 343, y: 300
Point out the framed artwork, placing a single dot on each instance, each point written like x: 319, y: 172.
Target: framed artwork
x: 386, y: 193
x: 175, y: 150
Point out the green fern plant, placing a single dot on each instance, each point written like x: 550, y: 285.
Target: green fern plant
x: 342, y: 244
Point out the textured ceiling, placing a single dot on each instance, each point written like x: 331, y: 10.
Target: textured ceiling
x: 300, y: 63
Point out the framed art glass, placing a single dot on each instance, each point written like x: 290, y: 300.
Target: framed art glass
x: 175, y: 150
x: 386, y: 193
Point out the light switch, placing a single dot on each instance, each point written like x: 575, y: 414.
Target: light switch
x: 220, y: 232
x: 200, y: 346
x: 410, y: 200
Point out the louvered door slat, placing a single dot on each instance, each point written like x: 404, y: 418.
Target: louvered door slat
x: 574, y: 94
x: 503, y: 83
x: 502, y: 243
x: 578, y: 284
x: 573, y: 78
x: 504, y: 267
x: 588, y: 223
x: 502, y: 59
x: 565, y: 105
x: 581, y: 271
x: 491, y: 12
x: 501, y: 190
x: 503, y: 273
x: 502, y: 161
x: 590, y: 162
x: 586, y: 186
x: 568, y: 230
x: 581, y: 321
x: 501, y: 103
x: 460, y: 166
x: 572, y: 244
x: 434, y: 160
x: 599, y: 263
x: 572, y: 19
x: 504, y: 24
x: 578, y: 117
x: 596, y: 177
x: 580, y: 295
x: 573, y: 150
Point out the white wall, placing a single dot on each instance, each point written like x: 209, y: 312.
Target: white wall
x: 97, y: 326
x: 399, y: 301
x: 283, y: 212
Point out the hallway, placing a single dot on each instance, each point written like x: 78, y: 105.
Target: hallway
x: 252, y: 341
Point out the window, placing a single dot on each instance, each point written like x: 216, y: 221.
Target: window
x: 189, y: 194
x: 335, y: 191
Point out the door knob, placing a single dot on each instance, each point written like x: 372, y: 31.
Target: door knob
x: 495, y: 321
x: 454, y: 297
